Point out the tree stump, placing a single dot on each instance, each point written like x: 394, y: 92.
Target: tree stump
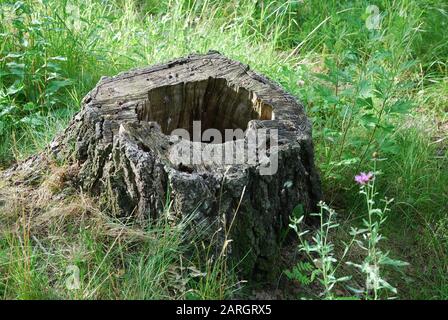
x: 122, y: 142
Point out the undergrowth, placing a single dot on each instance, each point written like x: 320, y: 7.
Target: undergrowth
x: 373, y: 81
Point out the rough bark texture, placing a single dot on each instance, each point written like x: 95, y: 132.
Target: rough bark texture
x: 120, y: 142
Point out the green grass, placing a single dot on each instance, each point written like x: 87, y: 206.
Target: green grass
x: 367, y: 91
x: 75, y: 251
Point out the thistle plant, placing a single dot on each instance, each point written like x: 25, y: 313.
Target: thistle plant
x: 375, y: 259
x: 321, y: 251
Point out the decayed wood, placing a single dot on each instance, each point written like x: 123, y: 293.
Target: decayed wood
x: 120, y: 142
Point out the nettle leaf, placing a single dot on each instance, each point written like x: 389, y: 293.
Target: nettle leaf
x: 364, y: 103
x: 381, y: 89
x: 387, y: 128
x: 401, y: 107
x: 365, y: 89
x: 326, y: 93
x: 325, y: 77
x: 56, y: 85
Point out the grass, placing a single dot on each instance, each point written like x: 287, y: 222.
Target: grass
x: 64, y: 247
x: 382, y: 90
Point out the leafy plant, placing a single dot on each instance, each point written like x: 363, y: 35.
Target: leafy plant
x: 320, y: 250
x: 356, y: 108
x: 31, y: 80
x: 304, y: 272
x: 375, y: 259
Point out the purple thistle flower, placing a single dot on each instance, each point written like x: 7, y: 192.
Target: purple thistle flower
x: 363, y: 178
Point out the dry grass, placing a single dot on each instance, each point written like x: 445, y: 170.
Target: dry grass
x: 48, y: 226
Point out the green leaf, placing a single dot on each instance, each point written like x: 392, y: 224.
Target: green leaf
x: 52, y: 66
x: 33, y: 121
x: 58, y: 58
x: 385, y: 260
x: 401, y: 107
x: 365, y: 89
x: 14, y: 89
x: 14, y: 55
x: 345, y: 162
x: 364, y: 103
x: 390, y: 146
x: 369, y: 120
x: 342, y: 279
x: 6, y: 111
x: 303, y: 272
x: 298, y: 211
x: 29, y: 106
x: 56, y: 85
x: 17, y: 69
